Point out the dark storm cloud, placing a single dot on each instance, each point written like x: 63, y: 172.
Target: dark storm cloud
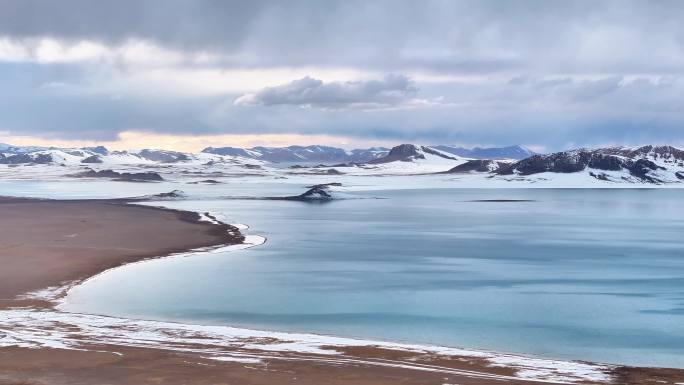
x: 393, y: 90
x: 443, y: 36
x: 546, y: 72
x: 188, y: 23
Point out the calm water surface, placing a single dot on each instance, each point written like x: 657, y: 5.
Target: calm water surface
x: 579, y: 274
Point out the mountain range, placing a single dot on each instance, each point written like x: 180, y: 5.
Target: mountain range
x: 510, y: 152
x: 87, y: 155
x: 302, y: 154
x: 330, y: 155
x: 314, y: 154
x: 650, y: 164
x: 646, y: 164
x: 654, y: 164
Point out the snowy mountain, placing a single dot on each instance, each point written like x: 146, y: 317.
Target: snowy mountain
x: 478, y: 165
x: 144, y: 165
x: 332, y: 155
x: 34, y: 158
x: 495, y: 153
x: 646, y: 165
x: 411, y: 152
x: 88, y: 155
x: 651, y: 164
x: 301, y: 154
x: 580, y: 167
x: 10, y: 149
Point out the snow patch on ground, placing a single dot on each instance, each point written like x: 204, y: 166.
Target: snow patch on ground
x: 51, y: 293
x: 242, y: 360
x: 38, y: 328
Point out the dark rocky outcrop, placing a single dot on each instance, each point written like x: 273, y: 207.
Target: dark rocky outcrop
x: 563, y: 162
x: 163, y: 156
x: 166, y: 196
x: 402, y: 152
x: 605, y: 162
x: 92, y: 159
x: 208, y: 181
x: 252, y: 166
x: 98, y: 150
x: 668, y: 153
x: 600, y: 176
x: 579, y: 160
x: 316, y: 194
x: 316, y: 171
x: 641, y: 167
x: 121, y: 176
x: 27, y: 159
x: 175, y: 194
x: 477, y: 165
x: 332, y: 171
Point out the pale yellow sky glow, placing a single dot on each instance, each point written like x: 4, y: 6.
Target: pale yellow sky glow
x: 131, y: 140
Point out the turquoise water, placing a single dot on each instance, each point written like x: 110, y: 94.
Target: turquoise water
x: 579, y: 274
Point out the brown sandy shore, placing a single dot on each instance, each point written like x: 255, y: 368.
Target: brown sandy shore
x: 47, y: 243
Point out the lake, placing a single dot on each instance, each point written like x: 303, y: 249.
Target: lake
x: 562, y: 273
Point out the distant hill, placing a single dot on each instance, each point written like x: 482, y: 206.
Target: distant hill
x: 302, y: 154
x: 510, y: 152
x: 579, y: 167
x: 653, y: 164
x: 87, y: 155
x: 330, y: 155
x: 411, y: 152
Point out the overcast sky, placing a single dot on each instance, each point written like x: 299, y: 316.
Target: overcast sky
x: 184, y: 74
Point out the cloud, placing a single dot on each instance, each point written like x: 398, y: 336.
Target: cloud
x: 48, y: 50
x: 460, y: 36
x: 40, y: 100
x: 482, y: 72
x: 391, y: 91
x: 553, y: 112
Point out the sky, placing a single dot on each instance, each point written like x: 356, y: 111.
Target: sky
x: 186, y: 74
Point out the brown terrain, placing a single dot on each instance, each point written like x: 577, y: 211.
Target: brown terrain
x: 48, y: 243
x: 44, y: 243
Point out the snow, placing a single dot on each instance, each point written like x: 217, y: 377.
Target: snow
x: 34, y: 328
x: 238, y: 359
x: 416, y: 173
x: 431, y: 164
x: 49, y: 293
x: 445, y: 154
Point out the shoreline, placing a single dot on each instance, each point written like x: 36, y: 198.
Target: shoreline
x: 58, y: 228
x: 235, y: 352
